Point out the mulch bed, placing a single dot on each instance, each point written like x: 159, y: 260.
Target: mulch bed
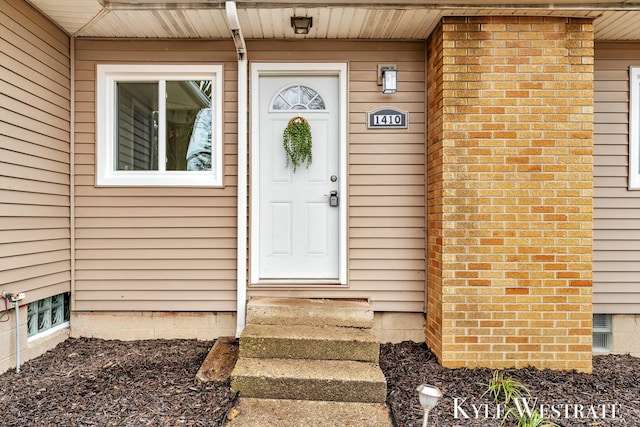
x: 615, y: 380
x: 91, y: 382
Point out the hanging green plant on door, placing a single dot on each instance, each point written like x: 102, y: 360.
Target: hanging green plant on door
x: 296, y: 141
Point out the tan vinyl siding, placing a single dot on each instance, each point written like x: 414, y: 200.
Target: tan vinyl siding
x: 175, y: 248
x: 35, y: 90
x: 153, y: 248
x: 386, y: 211
x: 616, y: 284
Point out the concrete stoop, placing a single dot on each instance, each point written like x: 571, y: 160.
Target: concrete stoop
x: 309, y: 342
x: 306, y: 413
x: 303, y: 379
x: 323, y: 352
x: 310, y: 312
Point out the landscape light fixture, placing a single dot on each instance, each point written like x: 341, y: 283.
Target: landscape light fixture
x: 429, y: 397
x: 301, y: 24
x: 389, y: 79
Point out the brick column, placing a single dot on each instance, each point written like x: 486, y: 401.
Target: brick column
x: 509, y: 196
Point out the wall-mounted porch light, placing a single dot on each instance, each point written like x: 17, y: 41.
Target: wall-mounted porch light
x: 301, y: 24
x: 389, y: 79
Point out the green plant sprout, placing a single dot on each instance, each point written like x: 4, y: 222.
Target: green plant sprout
x: 531, y: 419
x: 503, y: 388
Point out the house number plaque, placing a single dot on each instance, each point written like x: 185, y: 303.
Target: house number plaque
x: 387, y: 118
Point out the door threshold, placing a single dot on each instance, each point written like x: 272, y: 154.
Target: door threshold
x: 305, y: 284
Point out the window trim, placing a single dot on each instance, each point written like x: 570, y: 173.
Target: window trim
x: 50, y: 331
x: 107, y: 77
x: 634, y: 128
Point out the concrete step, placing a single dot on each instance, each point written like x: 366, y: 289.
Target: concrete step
x: 299, y: 379
x: 311, y: 312
x: 309, y: 342
x: 308, y: 413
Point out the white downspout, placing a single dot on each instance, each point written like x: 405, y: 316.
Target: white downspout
x: 241, y: 284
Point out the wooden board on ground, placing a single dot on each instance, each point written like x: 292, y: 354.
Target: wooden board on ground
x: 219, y: 363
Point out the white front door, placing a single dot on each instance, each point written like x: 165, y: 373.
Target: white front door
x: 298, y: 228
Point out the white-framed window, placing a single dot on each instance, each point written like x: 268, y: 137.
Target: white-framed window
x: 159, y: 125
x: 47, y: 315
x: 634, y: 128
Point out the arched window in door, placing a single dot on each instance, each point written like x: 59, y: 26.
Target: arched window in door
x: 298, y: 97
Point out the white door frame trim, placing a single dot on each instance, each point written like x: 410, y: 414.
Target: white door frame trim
x: 298, y: 68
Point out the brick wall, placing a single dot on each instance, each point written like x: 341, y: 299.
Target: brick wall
x: 510, y: 192
x: 435, y: 209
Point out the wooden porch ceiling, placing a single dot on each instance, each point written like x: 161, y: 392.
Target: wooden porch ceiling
x: 332, y: 19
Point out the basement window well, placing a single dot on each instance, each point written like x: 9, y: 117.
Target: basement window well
x: 48, y: 315
x: 602, y: 333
